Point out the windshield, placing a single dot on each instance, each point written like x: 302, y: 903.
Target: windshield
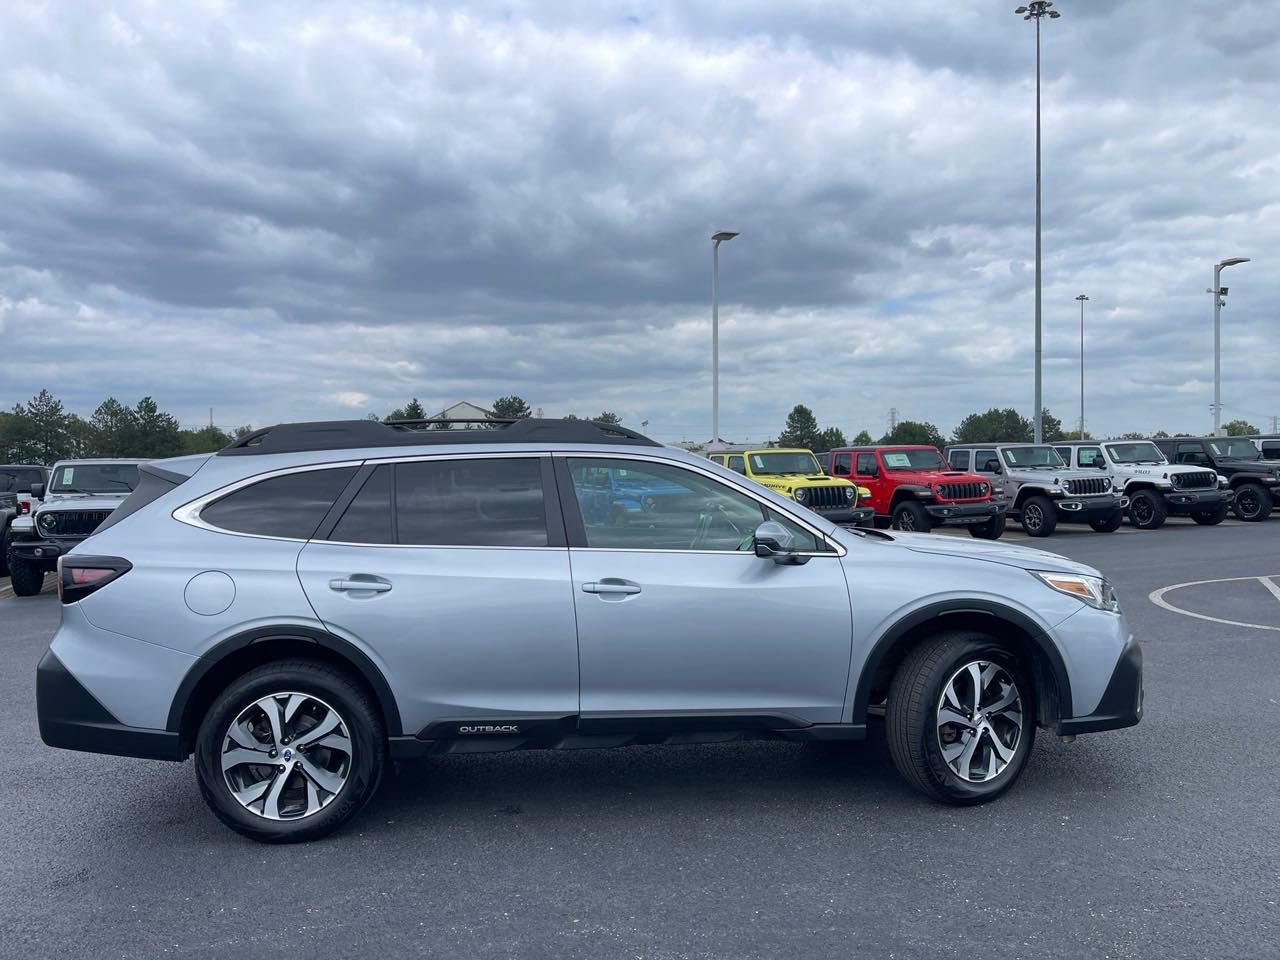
x: 928, y: 459
x: 1135, y: 452
x: 94, y: 478
x: 775, y: 463
x: 1234, y: 449
x: 1032, y: 457
x: 19, y: 481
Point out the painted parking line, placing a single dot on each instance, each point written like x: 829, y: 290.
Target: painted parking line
x: 1269, y: 582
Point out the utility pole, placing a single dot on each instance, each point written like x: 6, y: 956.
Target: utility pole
x: 893, y: 419
x: 1219, y: 301
x: 1082, y: 298
x: 717, y: 238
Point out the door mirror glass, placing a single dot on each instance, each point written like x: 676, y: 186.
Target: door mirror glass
x: 772, y: 539
x: 37, y: 491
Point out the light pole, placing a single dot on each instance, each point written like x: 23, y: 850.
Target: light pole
x: 1038, y: 10
x: 1082, y: 298
x: 1219, y: 294
x: 717, y: 238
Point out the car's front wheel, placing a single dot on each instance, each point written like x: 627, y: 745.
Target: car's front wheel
x: 911, y: 516
x: 1253, y: 502
x: 290, y: 751
x: 26, y: 575
x: 960, y: 718
x: 993, y: 529
x: 1147, y: 510
x: 1039, y: 516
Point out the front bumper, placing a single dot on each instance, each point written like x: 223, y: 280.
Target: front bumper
x: 72, y: 719
x: 1084, y: 509
x: 41, y: 550
x: 964, y: 514
x: 1121, y: 703
x: 1196, y: 500
x: 848, y: 516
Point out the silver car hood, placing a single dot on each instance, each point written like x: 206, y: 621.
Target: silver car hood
x: 82, y: 501
x: 1028, y: 558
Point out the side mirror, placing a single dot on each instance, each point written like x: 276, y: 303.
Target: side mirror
x: 772, y: 539
x: 1099, y: 463
x: 37, y: 491
x: 991, y: 466
x: 875, y: 470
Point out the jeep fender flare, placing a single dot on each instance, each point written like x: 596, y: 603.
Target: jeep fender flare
x: 890, y: 638
x: 906, y: 491
x: 348, y: 651
x: 1028, y: 491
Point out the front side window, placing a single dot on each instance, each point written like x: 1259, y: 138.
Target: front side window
x: 737, y: 465
x: 484, y: 502
x: 1032, y: 457
x: 94, y: 478
x: 1235, y: 448
x: 1271, y: 449
x: 1139, y: 451
x: 840, y: 464
x: 866, y: 464
x: 776, y: 464
x: 981, y: 458
x: 1191, y: 453
x: 666, y: 507
x: 290, y: 506
x: 959, y: 460
x: 1085, y: 455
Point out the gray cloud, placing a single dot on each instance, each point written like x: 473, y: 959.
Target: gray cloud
x: 312, y: 210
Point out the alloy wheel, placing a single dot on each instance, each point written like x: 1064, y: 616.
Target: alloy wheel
x: 1142, y: 509
x: 905, y: 521
x: 1248, y: 503
x: 979, y: 721
x: 1033, y: 516
x: 286, y: 756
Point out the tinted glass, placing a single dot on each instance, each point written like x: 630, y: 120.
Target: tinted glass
x: 980, y: 458
x: 653, y: 506
x: 737, y: 464
x: 19, y: 481
x: 368, y: 518
x: 866, y: 464
x: 959, y: 460
x: 1235, y: 448
x: 493, y: 502
x: 291, y: 505
x: 841, y: 463
x: 1271, y: 449
x: 94, y: 478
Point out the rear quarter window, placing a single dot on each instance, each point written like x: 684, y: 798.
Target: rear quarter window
x: 289, y: 506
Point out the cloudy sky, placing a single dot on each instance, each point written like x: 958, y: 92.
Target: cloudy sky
x: 312, y: 210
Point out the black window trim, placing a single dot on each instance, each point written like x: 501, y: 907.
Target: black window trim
x: 577, y: 531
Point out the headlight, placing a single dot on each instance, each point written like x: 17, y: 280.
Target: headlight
x: 801, y: 495
x: 47, y: 522
x: 1095, y: 591
x: 982, y: 489
x: 849, y: 493
x: 1223, y: 481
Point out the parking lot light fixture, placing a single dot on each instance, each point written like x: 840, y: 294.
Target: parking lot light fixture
x: 1037, y: 10
x: 1082, y: 298
x: 1219, y: 297
x: 717, y: 238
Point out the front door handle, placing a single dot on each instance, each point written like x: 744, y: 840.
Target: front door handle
x: 372, y: 585
x: 610, y: 585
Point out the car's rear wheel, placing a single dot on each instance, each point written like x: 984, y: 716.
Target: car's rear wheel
x: 910, y: 516
x: 960, y: 718
x: 1110, y: 524
x: 1039, y: 517
x: 1252, y: 503
x: 290, y: 751
x: 993, y: 529
x: 1147, y: 510
x: 1211, y: 518
x: 26, y: 576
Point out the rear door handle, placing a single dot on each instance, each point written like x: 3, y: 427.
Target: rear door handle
x: 372, y: 585
x: 610, y: 586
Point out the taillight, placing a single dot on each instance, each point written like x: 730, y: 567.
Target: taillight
x: 24, y: 506
x: 80, y: 576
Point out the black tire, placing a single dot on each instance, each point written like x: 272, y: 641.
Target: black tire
x: 1253, y: 503
x: 1039, y: 517
x: 26, y: 575
x: 911, y: 517
x: 1111, y: 524
x: 359, y: 716
x: 993, y: 529
x: 4, y: 553
x: 911, y: 719
x: 1213, y: 517
x: 1147, y: 510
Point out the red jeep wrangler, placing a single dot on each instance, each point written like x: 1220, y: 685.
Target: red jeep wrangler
x: 913, y: 488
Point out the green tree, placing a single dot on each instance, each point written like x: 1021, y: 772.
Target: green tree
x: 801, y: 429
x: 410, y: 411
x: 159, y: 433
x: 1160, y: 435
x: 511, y: 408
x: 205, y: 440
x: 911, y: 431
x: 115, y: 429
x: 994, y: 426
x: 863, y: 439
x: 1240, y: 428
x: 47, y: 426
x: 1133, y: 435
x: 18, y: 437
x: 829, y: 439
x: 608, y: 416
x: 1050, y: 427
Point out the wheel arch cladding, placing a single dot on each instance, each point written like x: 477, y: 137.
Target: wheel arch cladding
x: 1007, y: 626
x: 237, y: 655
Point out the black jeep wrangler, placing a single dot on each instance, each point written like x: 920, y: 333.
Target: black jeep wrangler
x: 1255, y: 481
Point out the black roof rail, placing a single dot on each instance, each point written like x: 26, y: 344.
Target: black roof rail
x: 344, y: 434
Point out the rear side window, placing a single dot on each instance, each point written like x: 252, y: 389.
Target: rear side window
x: 494, y: 502
x: 289, y: 506
x: 959, y: 460
x: 368, y: 518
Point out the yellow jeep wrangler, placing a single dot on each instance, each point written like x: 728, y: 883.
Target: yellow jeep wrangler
x: 796, y: 473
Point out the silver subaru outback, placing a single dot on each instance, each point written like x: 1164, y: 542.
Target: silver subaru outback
x: 317, y: 599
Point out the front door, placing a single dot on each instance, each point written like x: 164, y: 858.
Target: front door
x: 453, y: 575
x: 868, y: 475
x: 677, y: 616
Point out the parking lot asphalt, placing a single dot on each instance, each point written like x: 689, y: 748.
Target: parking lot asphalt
x: 1158, y: 841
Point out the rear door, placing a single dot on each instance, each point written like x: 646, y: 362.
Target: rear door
x: 453, y: 574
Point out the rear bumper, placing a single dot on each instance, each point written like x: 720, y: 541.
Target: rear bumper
x: 948, y: 514
x: 72, y: 719
x: 1121, y: 703
x: 1197, y: 500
